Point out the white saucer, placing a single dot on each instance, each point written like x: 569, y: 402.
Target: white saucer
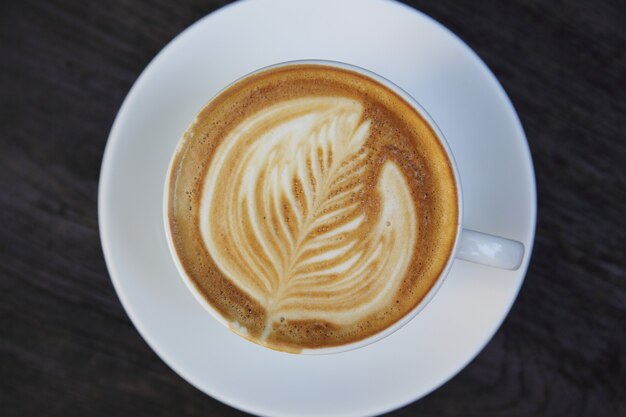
x: 419, y: 55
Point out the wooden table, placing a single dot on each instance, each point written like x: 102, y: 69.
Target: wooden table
x: 67, y: 346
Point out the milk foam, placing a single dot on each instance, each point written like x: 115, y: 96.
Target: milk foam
x: 286, y: 216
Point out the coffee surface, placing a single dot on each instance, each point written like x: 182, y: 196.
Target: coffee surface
x: 311, y: 206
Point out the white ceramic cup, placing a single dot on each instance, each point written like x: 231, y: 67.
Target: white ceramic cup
x: 469, y: 245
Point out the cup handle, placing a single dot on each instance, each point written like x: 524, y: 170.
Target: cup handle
x: 490, y: 250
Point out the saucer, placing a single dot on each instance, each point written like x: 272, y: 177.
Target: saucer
x: 397, y: 42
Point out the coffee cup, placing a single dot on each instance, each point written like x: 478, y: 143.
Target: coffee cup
x: 315, y: 207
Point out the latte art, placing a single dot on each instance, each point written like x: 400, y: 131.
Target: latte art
x: 286, y: 215
x: 311, y: 207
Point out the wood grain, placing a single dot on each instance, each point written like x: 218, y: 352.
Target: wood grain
x: 66, y: 345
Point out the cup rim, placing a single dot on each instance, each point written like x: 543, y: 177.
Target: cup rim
x: 459, y: 193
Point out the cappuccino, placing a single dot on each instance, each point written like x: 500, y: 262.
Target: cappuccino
x: 311, y: 206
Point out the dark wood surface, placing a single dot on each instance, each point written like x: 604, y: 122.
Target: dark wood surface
x: 68, y: 348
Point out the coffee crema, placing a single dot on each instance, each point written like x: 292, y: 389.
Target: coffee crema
x: 311, y: 206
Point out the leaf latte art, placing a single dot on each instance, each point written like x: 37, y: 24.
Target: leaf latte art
x: 310, y: 207
x: 289, y: 228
